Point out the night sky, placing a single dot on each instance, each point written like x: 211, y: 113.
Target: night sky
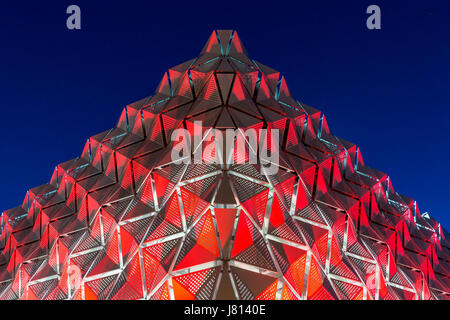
x: 385, y: 90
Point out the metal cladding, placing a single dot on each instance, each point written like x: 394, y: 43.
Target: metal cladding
x: 124, y: 221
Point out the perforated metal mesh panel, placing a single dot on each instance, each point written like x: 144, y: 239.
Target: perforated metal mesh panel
x: 123, y: 221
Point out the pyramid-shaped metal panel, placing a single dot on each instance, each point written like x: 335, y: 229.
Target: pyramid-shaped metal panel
x: 124, y: 221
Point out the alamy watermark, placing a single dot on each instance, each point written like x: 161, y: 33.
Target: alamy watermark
x: 227, y: 147
x: 73, y: 22
x: 374, y: 20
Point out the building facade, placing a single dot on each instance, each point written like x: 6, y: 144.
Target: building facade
x: 126, y: 220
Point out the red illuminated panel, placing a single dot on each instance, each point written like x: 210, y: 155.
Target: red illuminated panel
x: 127, y: 221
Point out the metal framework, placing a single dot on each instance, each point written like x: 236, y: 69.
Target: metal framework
x: 123, y: 221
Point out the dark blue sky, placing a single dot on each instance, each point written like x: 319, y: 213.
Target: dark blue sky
x: 385, y: 90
